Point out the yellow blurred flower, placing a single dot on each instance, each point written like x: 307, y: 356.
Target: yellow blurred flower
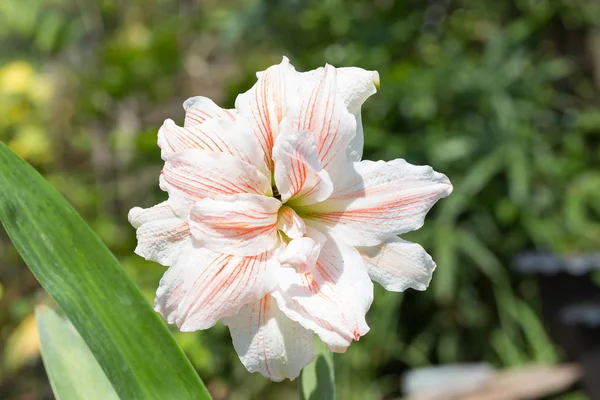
x: 16, y: 78
x: 32, y: 144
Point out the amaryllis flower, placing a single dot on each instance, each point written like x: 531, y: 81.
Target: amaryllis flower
x: 275, y: 226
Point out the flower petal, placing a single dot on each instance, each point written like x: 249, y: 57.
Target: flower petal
x: 301, y: 254
x: 200, y: 109
x: 290, y: 223
x: 161, y: 235
x: 398, y: 265
x: 193, y: 175
x: 332, y: 299
x: 381, y: 199
x: 203, y: 287
x: 265, y: 104
x: 298, y: 172
x: 320, y: 110
x: 267, y: 341
x: 355, y: 86
x: 241, y: 224
x: 218, y: 135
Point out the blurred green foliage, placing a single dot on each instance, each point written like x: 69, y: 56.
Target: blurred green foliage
x: 502, y: 96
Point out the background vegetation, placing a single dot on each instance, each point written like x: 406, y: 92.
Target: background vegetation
x: 502, y: 96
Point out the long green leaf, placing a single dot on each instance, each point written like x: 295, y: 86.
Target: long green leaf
x: 72, y: 369
x: 317, y: 380
x: 132, y: 345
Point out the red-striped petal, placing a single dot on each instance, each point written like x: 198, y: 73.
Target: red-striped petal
x: 203, y: 286
x: 267, y: 341
x: 193, y: 175
x: 379, y: 200
x: 241, y: 224
x: 332, y: 299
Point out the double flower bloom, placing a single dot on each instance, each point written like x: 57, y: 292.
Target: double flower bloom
x: 274, y: 224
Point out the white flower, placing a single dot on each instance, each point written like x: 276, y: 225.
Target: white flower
x: 274, y: 224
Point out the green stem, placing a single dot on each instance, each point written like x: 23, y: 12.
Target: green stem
x: 317, y: 380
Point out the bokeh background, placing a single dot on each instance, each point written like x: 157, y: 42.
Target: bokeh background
x: 502, y: 96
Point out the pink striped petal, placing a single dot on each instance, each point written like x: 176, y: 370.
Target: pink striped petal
x: 265, y: 104
x: 332, y: 299
x: 355, y: 86
x: 218, y: 135
x: 298, y: 173
x: 161, y: 234
x: 321, y: 110
x: 267, y: 341
x: 241, y: 224
x: 290, y: 223
x: 193, y: 175
x: 379, y: 200
x: 398, y: 265
x: 200, y: 109
x: 202, y: 286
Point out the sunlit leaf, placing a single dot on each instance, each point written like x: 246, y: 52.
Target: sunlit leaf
x: 72, y: 369
x: 129, y: 340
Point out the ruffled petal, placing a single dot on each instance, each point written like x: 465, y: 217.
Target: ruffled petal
x: 290, y: 223
x: 355, y: 86
x: 200, y: 109
x: 203, y: 287
x: 320, y: 110
x: 193, y: 175
x: 218, y: 135
x: 332, y: 299
x: 241, y: 224
x: 302, y: 253
x: 298, y: 173
x: 379, y: 200
x: 161, y: 235
x: 398, y: 265
x: 267, y: 341
x: 265, y: 104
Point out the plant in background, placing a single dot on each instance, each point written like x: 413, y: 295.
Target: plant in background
x: 274, y: 224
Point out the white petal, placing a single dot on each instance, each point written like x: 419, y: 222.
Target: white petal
x: 203, y: 287
x: 332, y: 299
x: 218, y: 135
x: 302, y: 253
x: 398, y: 265
x: 201, y: 109
x: 298, y: 172
x: 161, y: 234
x: 267, y: 341
x: 290, y: 223
x: 193, y: 175
x: 355, y: 86
x: 265, y: 104
x: 320, y: 110
x: 381, y: 199
x: 241, y: 224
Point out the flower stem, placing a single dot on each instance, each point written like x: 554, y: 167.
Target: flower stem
x: 317, y: 380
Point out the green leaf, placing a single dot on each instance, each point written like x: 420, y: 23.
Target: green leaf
x: 131, y: 343
x: 317, y: 380
x: 72, y: 369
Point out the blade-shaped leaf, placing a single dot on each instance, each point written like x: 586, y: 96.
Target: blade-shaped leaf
x: 132, y: 345
x: 72, y: 369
